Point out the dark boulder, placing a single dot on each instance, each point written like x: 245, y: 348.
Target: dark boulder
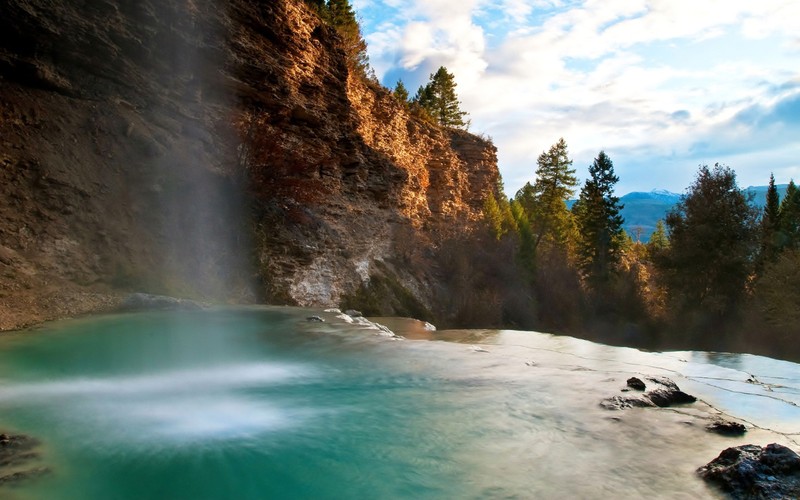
x: 636, y: 383
x: 665, y: 393
x: 624, y: 402
x: 727, y: 428
x: 664, y: 398
x: 753, y: 472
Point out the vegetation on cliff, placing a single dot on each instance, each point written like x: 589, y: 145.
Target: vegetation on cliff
x: 438, y: 100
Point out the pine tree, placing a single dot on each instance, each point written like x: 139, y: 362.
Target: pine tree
x: 341, y: 16
x: 439, y: 99
x: 493, y: 216
x: 546, y: 199
x: 789, y: 219
x: 526, y: 241
x: 770, y: 224
x: 597, y: 214
x: 319, y: 5
x: 658, y: 240
x: 401, y: 92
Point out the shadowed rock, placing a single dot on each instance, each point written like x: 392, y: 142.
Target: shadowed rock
x: 727, y: 428
x: 665, y: 394
x: 636, y: 383
x: 753, y: 472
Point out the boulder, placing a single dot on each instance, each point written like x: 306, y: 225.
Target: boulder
x: 665, y: 393
x: 753, y: 472
x: 727, y: 428
x: 636, y: 383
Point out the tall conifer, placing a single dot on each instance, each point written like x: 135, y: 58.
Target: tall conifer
x: 770, y: 224
x: 789, y: 233
x: 401, y: 92
x: 439, y: 99
x: 555, y: 184
x: 342, y: 17
x: 597, y: 213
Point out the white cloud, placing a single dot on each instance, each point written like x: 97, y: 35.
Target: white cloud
x: 641, y: 77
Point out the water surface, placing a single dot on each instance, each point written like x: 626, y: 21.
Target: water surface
x: 260, y: 403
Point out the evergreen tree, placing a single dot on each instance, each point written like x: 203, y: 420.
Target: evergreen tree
x: 401, y: 92
x: 597, y: 214
x: 526, y: 240
x: 770, y: 223
x: 712, y: 241
x: 545, y: 200
x: 319, y: 5
x: 789, y: 219
x: 493, y: 216
x: 341, y: 16
x: 439, y: 99
x: 658, y: 240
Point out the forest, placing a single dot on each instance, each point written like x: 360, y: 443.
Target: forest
x: 717, y: 274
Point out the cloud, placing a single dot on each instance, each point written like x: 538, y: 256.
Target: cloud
x: 656, y: 82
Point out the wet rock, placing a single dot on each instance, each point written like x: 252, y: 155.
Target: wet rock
x: 148, y: 302
x: 353, y: 313
x: 636, y: 383
x: 625, y: 402
x: 753, y: 472
x: 664, y: 398
x: 727, y: 428
x: 315, y: 319
x: 16, y: 454
x: 665, y: 394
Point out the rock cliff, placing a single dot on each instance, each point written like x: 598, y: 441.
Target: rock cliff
x: 216, y: 150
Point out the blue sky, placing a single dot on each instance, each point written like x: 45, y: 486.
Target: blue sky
x: 661, y: 85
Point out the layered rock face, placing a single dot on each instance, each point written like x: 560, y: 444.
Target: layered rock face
x: 219, y: 150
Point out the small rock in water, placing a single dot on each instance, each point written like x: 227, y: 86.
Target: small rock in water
x: 476, y: 348
x: 334, y: 311
x: 636, y: 383
x: 665, y: 398
x: 625, y: 402
x: 750, y: 471
x: 429, y: 327
x: 727, y: 428
x: 353, y: 313
x: 315, y: 319
x: 664, y: 395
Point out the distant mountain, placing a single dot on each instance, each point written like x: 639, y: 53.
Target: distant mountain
x: 760, y: 193
x: 643, y: 209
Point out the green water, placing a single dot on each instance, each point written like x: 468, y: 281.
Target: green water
x: 260, y: 403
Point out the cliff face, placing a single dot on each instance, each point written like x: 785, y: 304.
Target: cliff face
x: 213, y: 149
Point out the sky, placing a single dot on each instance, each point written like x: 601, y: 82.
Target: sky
x: 662, y: 86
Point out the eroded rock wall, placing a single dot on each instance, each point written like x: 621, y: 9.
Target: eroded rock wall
x: 219, y: 150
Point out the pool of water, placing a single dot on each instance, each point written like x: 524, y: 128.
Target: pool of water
x: 261, y: 403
